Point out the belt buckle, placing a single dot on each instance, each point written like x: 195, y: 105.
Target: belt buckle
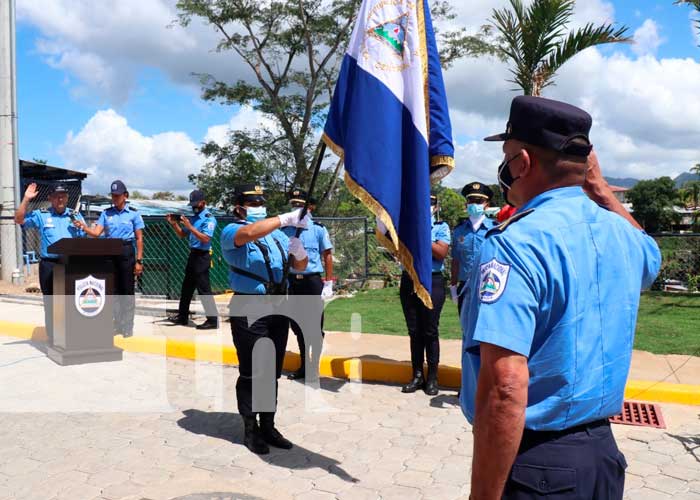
x: 299, y: 276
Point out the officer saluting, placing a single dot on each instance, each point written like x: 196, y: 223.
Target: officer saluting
x: 549, y: 333
x: 423, y: 323
x: 318, y: 246
x: 55, y: 223
x: 200, y: 230
x: 259, y: 255
x: 468, y: 237
x: 123, y: 222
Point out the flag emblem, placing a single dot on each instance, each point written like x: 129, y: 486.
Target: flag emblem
x: 393, y: 33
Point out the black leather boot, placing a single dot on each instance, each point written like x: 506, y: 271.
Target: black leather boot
x: 270, y: 435
x: 297, y: 375
x: 253, y: 439
x: 431, y: 384
x: 418, y: 382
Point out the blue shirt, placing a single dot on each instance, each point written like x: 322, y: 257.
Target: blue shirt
x: 316, y: 240
x: 440, y: 231
x: 250, y: 258
x: 120, y: 224
x: 204, y: 222
x: 561, y: 286
x: 53, y: 227
x: 467, y: 247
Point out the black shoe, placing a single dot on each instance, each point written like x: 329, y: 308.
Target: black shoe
x: 297, y: 375
x: 177, y: 320
x: 272, y: 436
x: 431, y: 385
x: 207, y: 326
x: 252, y: 438
x: 418, y: 382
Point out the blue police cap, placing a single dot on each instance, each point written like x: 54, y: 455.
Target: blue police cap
x: 549, y: 124
x: 58, y: 188
x: 196, y: 197
x: 477, y: 190
x: 117, y: 187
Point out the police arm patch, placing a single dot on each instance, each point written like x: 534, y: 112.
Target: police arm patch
x: 493, y: 280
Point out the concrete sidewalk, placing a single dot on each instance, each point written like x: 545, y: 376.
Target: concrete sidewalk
x: 383, y: 357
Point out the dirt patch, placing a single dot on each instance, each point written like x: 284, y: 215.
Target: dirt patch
x: 10, y: 289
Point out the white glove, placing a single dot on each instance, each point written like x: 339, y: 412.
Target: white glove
x: 381, y: 227
x: 292, y: 219
x: 453, y: 294
x: 296, y: 249
x: 327, y: 291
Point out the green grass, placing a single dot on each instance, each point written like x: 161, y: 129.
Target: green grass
x: 667, y: 323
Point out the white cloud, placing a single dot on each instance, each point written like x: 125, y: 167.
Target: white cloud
x: 647, y: 39
x: 245, y: 119
x: 108, y: 148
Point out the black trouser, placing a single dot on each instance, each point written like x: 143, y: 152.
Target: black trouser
x: 46, y: 285
x: 579, y: 463
x: 197, y: 277
x: 275, y: 328
x: 125, y: 302
x: 423, y: 323
x: 310, y: 284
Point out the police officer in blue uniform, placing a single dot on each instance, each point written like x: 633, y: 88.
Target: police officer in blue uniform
x: 123, y: 222
x: 423, y: 323
x: 199, y: 229
x: 318, y: 246
x: 468, y: 237
x: 259, y: 255
x: 551, y: 317
x: 54, y: 223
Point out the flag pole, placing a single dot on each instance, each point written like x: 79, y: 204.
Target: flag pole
x: 314, y: 177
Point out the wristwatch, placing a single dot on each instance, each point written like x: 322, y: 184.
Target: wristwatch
x: 139, y: 261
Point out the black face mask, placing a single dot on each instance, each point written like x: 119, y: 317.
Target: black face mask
x: 505, y: 178
x: 197, y: 210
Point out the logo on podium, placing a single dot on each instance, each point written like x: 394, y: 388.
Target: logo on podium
x: 89, y: 296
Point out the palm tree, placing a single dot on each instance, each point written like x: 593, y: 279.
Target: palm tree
x: 696, y: 169
x: 690, y: 194
x: 537, y: 43
x: 694, y: 3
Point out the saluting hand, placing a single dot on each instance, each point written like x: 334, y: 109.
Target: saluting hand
x: 595, y: 184
x: 31, y: 192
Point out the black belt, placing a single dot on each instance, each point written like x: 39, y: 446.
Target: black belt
x: 127, y: 242
x: 302, y: 276
x: 199, y: 251
x: 437, y: 273
x: 542, y: 436
x: 50, y: 259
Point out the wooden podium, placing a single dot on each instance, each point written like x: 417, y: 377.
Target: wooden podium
x: 83, y: 287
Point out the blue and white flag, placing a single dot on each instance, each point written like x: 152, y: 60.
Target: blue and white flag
x: 389, y: 121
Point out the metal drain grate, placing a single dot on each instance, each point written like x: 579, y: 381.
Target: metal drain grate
x: 640, y: 414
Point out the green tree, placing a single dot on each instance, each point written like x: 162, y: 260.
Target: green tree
x: 40, y: 161
x: 696, y: 169
x: 536, y: 42
x: 294, y: 49
x: 497, y: 200
x: 652, y: 202
x: 138, y: 195
x: 163, y: 195
x: 451, y: 205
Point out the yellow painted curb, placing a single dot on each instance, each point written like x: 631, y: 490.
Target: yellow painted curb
x: 357, y: 369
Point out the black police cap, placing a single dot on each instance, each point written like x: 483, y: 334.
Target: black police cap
x: 477, y: 190
x: 433, y: 199
x: 249, y: 192
x: 196, y: 197
x: 298, y: 195
x: 117, y: 187
x: 58, y: 188
x: 549, y: 124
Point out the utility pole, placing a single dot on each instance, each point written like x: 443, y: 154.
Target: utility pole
x: 10, y: 233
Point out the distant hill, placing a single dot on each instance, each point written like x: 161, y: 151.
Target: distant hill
x: 626, y: 182
x: 686, y: 177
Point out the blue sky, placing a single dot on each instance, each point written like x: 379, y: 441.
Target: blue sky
x: 77, y: 93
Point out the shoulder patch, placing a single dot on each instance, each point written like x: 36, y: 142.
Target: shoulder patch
x: 503, y: 225
x: 493, y: 278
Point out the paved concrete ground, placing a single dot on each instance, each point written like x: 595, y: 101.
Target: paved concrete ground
x: 645, y: 366
x: 153, y: 428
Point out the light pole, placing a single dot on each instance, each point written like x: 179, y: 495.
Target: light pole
x: 10, y: 233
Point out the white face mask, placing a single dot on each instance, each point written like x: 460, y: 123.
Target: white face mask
x: 475, y: 209
x: 254, y: 214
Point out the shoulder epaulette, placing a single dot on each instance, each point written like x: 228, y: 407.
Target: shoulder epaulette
x: 440, y: 222
x: 503, y: 225
x: 44, y: 210
x: 319, y: 224
x: 208, y: 214
x: 133, y: 208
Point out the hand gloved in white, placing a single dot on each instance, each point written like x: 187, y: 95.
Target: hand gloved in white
x: 454, y: 294
x: 296, y: 249
x: 293, y: 219
x: 327, y: 291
